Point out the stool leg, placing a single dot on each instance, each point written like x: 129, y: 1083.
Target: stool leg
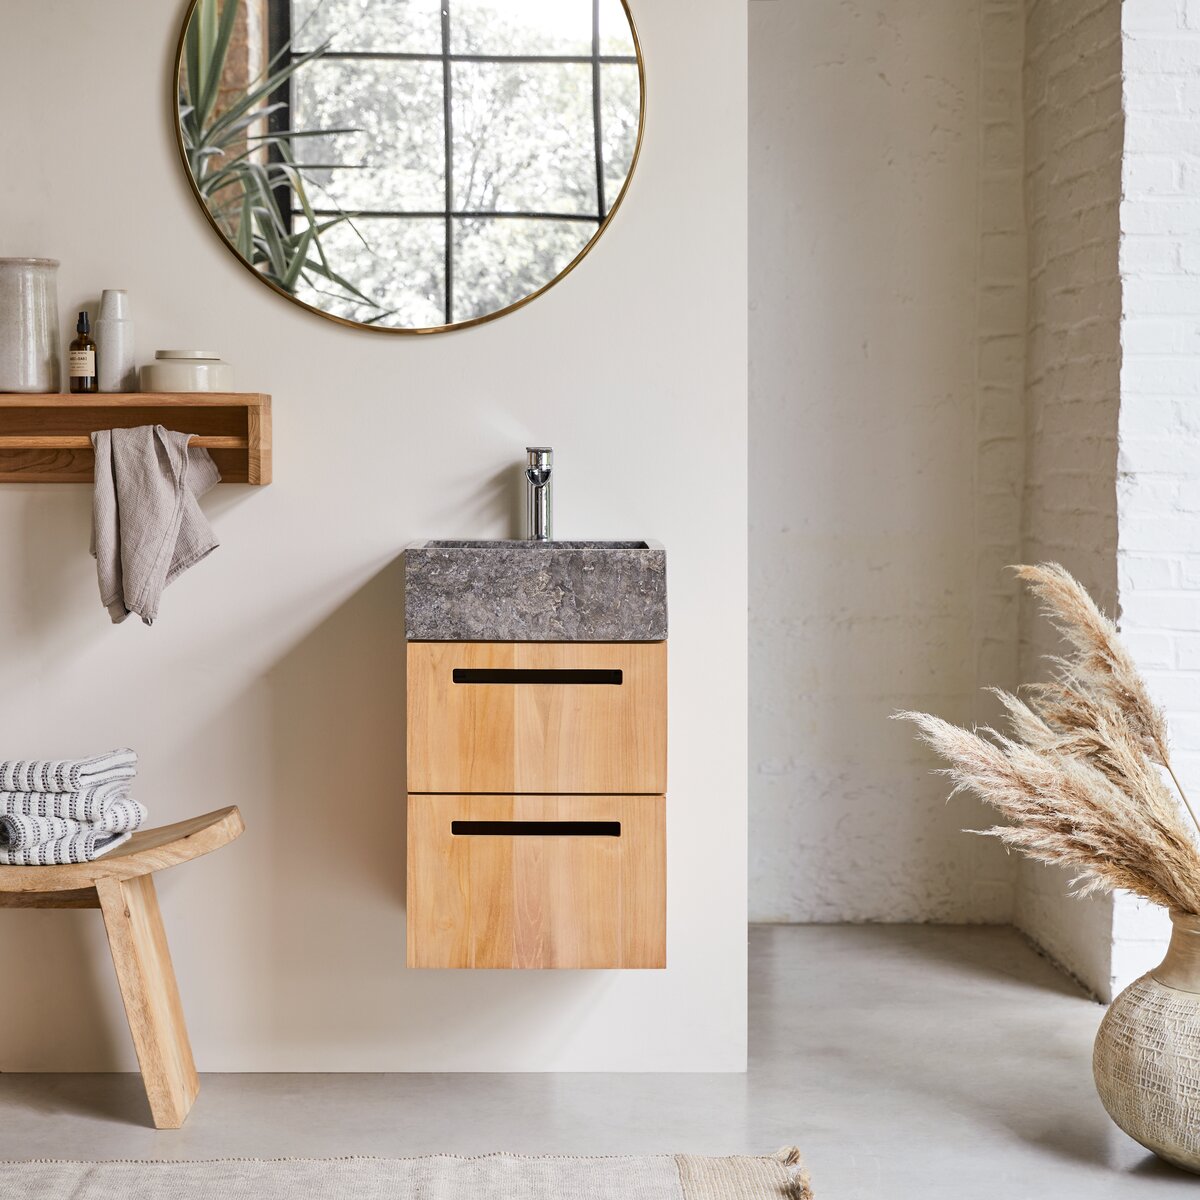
x: 143, y: 962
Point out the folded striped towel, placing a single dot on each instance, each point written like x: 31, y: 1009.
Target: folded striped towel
x: 82, y: 847
x: 66, y: 774
x: 22, y: 832
x: 88, y: 805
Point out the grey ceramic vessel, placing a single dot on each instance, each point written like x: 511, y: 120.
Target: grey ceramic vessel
x: 29, y: 345
x: 116, y: 369
x: 520, y: 591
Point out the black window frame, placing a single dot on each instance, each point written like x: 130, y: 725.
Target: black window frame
x: 280, y: 46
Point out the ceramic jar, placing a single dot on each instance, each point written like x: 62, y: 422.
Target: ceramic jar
x: 29, y: 353
x: 1147, y: 1055
x: 187, y: 371
x: 116, y: 370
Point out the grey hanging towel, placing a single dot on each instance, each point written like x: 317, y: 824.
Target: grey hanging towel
x: 147, y: 527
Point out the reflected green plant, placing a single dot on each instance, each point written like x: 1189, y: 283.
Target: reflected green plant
x: 240, y: 173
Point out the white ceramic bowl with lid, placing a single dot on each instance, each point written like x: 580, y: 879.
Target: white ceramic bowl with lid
x: 187, y: 371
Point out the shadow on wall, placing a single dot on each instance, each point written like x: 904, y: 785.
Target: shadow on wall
x: 61, y: 614
x: 334, y: 837
x: 335, y: 828
x: 497, y: 502
x: 313, y: 974
x: 324, y: 808
x: 58, y: 977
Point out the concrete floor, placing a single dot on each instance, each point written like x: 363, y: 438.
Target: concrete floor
x: 905, y: 1061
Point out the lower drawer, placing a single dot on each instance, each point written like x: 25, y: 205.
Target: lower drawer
x: 536, y: 881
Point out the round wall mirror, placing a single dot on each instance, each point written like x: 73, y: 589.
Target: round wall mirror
x: 409, y: 165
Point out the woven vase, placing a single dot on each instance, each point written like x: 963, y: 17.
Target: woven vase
x: 1147, y: 1055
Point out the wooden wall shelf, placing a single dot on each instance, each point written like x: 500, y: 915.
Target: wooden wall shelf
x: 45, y: 438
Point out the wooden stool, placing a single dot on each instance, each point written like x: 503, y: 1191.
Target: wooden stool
x: 121, y: 886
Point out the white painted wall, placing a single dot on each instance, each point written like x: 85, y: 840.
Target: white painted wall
x: 274, y: 677
x: 887, y: 316
x: 1158, y: 488
x: 975, y: 300
x: 1073, y: 141
x: 1115, y: 198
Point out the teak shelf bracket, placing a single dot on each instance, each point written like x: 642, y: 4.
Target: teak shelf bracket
x: 46, y: 438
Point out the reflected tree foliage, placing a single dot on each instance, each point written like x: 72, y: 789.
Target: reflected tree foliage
x: 479, y: 146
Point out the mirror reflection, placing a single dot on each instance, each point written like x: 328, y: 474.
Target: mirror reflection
x: 409, y: 164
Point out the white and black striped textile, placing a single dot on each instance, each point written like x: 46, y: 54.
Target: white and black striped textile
x: 68, y: 810
x: 66, y: 774
x: 87, y: 805
x: 83, y: 847
x: 19, y: 832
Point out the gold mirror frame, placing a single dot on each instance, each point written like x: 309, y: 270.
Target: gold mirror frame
x: 404, y: 332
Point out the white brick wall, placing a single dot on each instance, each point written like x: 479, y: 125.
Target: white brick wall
x: 887, y: 314
x: 966, y: 351
x: 1073, y: 143
x: 1000, y: 347
x: 1159, y: 460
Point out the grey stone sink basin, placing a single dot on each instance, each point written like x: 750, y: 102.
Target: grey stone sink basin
x: 513, y: 591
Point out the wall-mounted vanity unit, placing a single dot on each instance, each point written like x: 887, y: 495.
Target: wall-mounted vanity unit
x: 537, y: 754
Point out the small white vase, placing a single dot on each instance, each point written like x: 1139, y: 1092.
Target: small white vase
x: 116, y: 370
x: 29, y: 359
x: 1147, y: 1055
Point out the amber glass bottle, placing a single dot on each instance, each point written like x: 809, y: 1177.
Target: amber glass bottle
x: 81, y: 358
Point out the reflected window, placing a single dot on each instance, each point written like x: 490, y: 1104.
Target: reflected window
x: 478, y: 145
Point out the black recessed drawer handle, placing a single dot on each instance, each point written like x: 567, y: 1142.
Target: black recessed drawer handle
x: 535, y: 828
x: 534, y: 675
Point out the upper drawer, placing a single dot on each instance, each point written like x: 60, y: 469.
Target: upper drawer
x: 537, y: 717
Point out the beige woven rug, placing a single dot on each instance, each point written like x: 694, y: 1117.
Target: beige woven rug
x: 438, y: 1177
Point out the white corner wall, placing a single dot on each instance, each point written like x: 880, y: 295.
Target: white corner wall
x: 973, y: 307
x: 1119, y: 207
x: 887, y: 320
x: 1158, y: 483
x: 274, y: 678
x: 1073, y: 142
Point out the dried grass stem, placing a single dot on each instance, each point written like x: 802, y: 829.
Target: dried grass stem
x: 1079, y: 778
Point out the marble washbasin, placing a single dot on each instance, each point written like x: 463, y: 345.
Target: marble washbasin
x: 517, y: 591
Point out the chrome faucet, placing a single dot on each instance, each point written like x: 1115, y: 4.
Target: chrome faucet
x: 541, y: 499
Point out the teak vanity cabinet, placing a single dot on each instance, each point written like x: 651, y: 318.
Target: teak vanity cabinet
x: 537, y: 753
x: 536, y: 804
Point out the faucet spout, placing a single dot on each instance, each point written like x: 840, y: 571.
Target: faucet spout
x: 538, y: 471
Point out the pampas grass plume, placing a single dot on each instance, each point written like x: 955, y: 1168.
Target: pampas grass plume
x: 1078, y: 777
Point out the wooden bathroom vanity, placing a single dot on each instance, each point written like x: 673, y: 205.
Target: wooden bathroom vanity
x: 537, y: 754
